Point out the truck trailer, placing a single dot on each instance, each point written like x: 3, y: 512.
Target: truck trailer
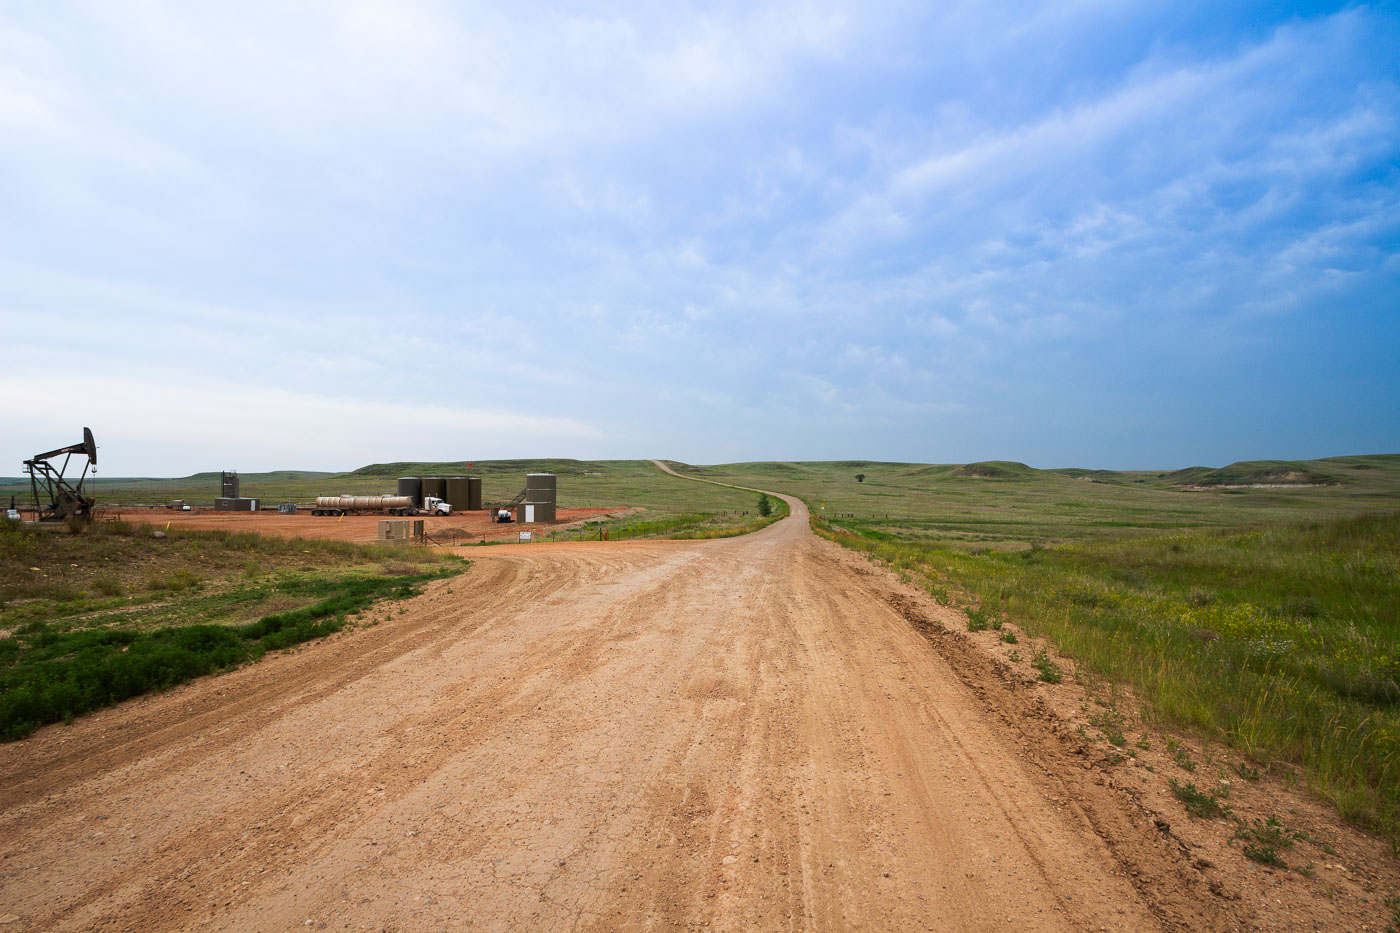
x: 393, y: 505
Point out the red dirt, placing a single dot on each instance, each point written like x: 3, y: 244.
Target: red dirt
x: 362, y: 528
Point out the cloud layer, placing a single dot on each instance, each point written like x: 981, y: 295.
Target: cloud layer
x: 1099, y: 234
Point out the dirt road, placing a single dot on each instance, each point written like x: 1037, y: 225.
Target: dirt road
x: 738, y: 734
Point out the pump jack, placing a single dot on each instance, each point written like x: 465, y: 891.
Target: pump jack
x: 56, y: 499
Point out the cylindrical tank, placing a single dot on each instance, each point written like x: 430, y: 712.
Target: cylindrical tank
x: 540, y: 487
x: 473, y: 493
x: 434, y: 486
x: 458, y: 493
x: 364, y: 502
x: 411, y: 486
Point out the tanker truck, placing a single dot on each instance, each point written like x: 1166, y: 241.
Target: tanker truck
x: 393, y: 505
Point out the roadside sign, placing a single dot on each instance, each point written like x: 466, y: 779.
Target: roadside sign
x: 524, y: 536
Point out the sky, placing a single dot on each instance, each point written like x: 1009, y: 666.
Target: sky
x: 326, y: 233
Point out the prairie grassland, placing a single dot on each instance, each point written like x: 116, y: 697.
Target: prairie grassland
x: 688, y: 526
x: 1282, y: 641
x: 1012, y: 506
x: 87, y: 620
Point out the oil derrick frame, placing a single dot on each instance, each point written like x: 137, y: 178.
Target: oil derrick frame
x: 55, y: 498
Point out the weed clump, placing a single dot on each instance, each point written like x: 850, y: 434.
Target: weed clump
x: 174, y: 582
x: 107, y: 586
x: 1203, y: 805
x: 1263, y: 839
x: 1049, y: 671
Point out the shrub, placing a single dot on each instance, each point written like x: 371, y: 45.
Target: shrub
x: 107, y: 586
x: 1198, y: 803
x: 1049, y: 671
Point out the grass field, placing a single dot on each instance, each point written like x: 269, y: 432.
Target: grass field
x: 1264, y: 618
x: 87, y: 620
x: 1012, y: 506
x: 684, y: 526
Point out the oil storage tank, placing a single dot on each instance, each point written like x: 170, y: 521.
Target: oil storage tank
x: 473, y: 493
x: 540, y: 494
x: 434, y: 486
x: 411, y: 486
x: 458, y: 493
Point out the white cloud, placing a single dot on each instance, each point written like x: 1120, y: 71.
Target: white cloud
x: 230, y: 421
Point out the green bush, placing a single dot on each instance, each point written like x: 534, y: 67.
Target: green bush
x: 51, y: 675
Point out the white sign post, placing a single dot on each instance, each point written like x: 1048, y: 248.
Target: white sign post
x: 524, y: 536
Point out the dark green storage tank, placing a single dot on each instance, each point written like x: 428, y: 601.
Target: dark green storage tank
x: 458, y: 493
x: 411, y: 486
x: 434, y: 486
x: 473, y: 493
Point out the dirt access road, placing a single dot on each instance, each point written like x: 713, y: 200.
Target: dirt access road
x: 739, y: 734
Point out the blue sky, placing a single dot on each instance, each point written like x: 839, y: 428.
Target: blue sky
x: 321, y: 234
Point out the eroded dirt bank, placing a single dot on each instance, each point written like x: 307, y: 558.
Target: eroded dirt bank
x: 736, y: 734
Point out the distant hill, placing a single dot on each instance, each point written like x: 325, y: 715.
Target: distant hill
x: 484, y: 467
x: 1098, y: 476
x: 1256, y: 473
x: 271, y: 476
x: 997, y: 469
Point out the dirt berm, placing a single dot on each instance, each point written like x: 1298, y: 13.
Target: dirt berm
x: 741, y: 734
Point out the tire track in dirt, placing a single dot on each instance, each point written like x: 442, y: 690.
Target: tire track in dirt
x: 744, y: 733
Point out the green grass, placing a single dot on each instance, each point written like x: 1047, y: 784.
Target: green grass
x: 1281, y: 640
x: 51, y: 674
x: 1010, y: 506
x: 165, y: 610
x: 1202, y: 805
x: 977, y: 620
x: 685, y: 525
x: 676, y: 525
